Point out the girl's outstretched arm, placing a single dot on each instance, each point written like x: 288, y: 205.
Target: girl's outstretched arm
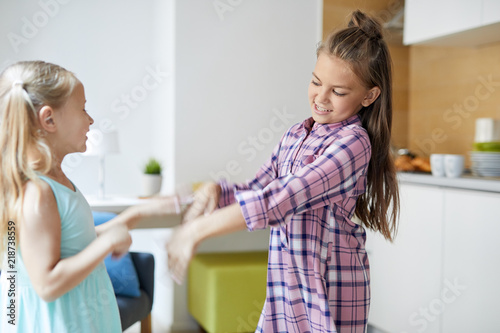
x: 40, y: 242
x: 134, y: 215
x: 186, y: 238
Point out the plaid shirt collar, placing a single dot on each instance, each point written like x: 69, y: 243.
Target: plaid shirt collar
x: 323, y: 129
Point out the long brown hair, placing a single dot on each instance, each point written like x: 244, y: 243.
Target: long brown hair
x: 361, y: 45
x: 25, y: 87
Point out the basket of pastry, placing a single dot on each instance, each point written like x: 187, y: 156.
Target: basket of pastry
x: 409, y: 162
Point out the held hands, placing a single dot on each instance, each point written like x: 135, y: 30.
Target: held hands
x: 185, y: 238
x: 205, y: 201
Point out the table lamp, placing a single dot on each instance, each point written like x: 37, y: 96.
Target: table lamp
x: 101, y: 144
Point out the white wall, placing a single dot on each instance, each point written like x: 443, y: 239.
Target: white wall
x: 242, y: 73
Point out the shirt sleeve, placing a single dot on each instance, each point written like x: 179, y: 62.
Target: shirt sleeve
x: 227, y: 193
x: 323, y: 180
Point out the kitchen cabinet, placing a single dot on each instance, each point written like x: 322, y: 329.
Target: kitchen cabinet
x: 441, y: 273
x: 451, y: 22
x: 405, y: 274
x: 471, y: 261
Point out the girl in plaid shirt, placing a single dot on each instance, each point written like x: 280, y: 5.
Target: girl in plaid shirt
x: 332, y: 166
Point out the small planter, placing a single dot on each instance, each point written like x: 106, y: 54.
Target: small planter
x: 151, y: 184
x: 151, y: 178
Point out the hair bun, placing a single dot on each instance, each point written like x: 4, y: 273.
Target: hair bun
x: 369, y: 26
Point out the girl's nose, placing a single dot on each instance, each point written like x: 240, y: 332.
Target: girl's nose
x: 91, y: 120
x: 322, y: 96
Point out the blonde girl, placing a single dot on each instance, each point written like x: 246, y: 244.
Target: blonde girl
x: 46, y: 226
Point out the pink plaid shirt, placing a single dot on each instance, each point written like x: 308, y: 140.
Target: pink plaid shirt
x: 318, y: 272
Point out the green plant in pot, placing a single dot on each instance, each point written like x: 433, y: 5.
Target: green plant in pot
x: 151, y: 179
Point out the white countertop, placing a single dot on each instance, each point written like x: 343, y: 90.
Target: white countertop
x: 489, y: 184
x: 113, y: 203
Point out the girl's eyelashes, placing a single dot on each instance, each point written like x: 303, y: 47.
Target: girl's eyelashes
x: 317, y: 84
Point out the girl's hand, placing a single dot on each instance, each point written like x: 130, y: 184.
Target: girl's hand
x: 205, y: 201
x: 120, y: 240
x: 186, y: 237
x: 180, y: 250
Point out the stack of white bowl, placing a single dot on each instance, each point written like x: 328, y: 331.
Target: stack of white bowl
x: 486, y: 155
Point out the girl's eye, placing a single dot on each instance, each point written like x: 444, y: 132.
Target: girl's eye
x: 338, y: 94
x: 315, y: 83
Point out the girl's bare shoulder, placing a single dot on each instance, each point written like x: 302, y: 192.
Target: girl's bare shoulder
x: 37, y: 190
x: 39, y: 199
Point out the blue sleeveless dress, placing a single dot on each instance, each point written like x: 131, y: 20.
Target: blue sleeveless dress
x: 89, y: 307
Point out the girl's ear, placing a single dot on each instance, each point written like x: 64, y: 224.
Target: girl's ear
x: 46, y: 119
x: 371, y: 96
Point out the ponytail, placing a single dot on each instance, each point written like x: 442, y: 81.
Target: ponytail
x: 362, y: 46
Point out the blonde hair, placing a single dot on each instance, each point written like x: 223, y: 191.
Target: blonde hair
x: 25, y: 87
x: 361, y: 44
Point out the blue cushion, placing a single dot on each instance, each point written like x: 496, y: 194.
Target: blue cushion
x: 122, y: 271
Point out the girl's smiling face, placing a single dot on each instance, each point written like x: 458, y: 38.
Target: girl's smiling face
x: 335, y: 92
x: 73, y: 122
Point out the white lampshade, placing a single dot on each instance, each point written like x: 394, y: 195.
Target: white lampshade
x: 99, y: 143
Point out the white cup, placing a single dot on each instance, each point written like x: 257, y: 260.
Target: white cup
x: 454, y: 165
x: 437, y: 165
x: 487, y: 130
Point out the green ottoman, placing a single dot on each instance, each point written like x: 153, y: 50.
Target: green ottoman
x: 226, y: 291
